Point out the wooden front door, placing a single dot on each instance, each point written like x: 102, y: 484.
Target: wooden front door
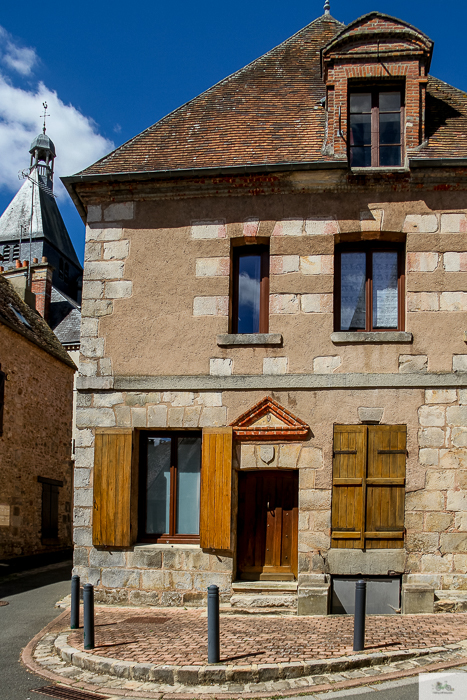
x: 267, y: 531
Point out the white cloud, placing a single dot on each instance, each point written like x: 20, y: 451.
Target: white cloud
x: 18, y: 58
x: 76, y: 137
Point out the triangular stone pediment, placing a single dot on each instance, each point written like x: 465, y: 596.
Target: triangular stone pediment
x: 268, y: 420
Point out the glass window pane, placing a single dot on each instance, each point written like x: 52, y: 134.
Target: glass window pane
x: 249, y: 280
x: 158, y: 486
x: 360, y: 102
x: 353, y: 277
x: 360, y: 156
x: 385, y: 294
x: 389, y: 101
x: 360, y: 129
x: 390, y: 155
x: 188, y: 485
x: 389, y: 128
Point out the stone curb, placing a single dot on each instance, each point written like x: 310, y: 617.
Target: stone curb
x: 226, y: 673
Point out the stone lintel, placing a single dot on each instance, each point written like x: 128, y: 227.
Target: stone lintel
x: 226, y: 339
x: 354, y: 337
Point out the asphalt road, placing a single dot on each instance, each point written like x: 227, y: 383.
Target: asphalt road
x: 31, y: 597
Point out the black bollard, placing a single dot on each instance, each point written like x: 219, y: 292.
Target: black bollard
x: 359, y: 619
x: 213, y: 625
x: 88, y: 605
x: 74, y: 612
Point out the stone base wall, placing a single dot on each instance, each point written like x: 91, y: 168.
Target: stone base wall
x: 159, y: 575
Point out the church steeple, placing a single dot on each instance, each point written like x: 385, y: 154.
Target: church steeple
x: 43, y: 155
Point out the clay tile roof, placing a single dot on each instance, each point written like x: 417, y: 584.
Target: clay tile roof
x: 268, y: 112
x: 18, y: 316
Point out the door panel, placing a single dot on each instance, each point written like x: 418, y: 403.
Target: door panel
x: 267, y: 525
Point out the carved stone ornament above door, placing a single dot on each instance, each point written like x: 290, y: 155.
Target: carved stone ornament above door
x: 268, y: 420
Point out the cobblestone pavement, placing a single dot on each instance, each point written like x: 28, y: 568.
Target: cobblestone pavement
x: 131, y: 658
x: 179, y: 637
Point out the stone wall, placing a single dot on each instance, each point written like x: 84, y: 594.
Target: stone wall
x: 36, y: 442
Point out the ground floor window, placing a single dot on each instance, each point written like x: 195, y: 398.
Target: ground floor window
x: 368, y: 494
x: 169, y: 493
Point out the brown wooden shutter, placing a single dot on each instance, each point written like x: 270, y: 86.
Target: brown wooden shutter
x: 2, y: 399
x: 216, y: 490
x: 114, y: 519
x: 387, y: 448
x: 348, y: 485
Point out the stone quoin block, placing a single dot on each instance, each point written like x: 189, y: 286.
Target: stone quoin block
x: 371, y: 219
x: 420, y: 223
x: 455, y: 262
x: 95, y: 418
x: 96, y: 308
x: 103, y: 234
x: 284, y: 264
x: 92, y: 251
x: 94, y: 212
x: 211, y: 306
x: 317, y: 264
x: 275, y: 365
x: 103, y: 270
x: 316, y: 303
x: 288, y: 227
x: 284, y: 304
x: 422, y: 262
x: 440, y: 395
x: 208, y: 229
x: 93, y: 290
x: 209, y: 398
x: 118, y: 290
x: 251, y: 227
x: 213, y: 416
x: 118, y: 211
x: 220, y: 367
x: 431, y: 437
x: 321, y: 226
x: 116, y: 250
x: 453, y: 301
x: 453, y: 223
x: 422, y: 301
x: 432, y: 416
x: 326, y: 365
x: 89, y: 327
x: 178, y: 398
x: 157, y: 416
x: 212, y: 267
x: 92, y: 347
x: 459, y: 363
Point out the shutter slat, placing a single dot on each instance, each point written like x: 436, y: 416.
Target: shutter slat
x: 216, y: 490
x: 113, y: 487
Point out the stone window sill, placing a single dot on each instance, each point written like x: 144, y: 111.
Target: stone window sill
x: 245, y: 339
x: 354, y: 338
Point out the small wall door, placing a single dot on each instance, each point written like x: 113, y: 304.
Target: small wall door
x: 267, y: 528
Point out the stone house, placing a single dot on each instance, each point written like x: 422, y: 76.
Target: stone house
x: 36, y: 395
x: 273, y: 389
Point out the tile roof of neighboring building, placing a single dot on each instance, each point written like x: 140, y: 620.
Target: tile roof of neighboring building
x: 65, y: 318
x: 269, y: 113
x: 18, y: 316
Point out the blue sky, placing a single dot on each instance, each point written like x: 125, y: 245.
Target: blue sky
x: 111, y: 69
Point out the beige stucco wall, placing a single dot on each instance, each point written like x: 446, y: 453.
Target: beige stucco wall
x: 36, y: 442
x: 155, y: 297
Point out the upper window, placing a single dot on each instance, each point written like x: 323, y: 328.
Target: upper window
x: 375, y: 126
x: 250, y: 302
x: 170, y: 486
x: 370, y: 288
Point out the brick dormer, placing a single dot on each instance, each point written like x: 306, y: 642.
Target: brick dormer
x: 376, y: 52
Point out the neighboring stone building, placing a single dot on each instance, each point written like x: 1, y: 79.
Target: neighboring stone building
x: 273, y: 388
x: 36, y: 391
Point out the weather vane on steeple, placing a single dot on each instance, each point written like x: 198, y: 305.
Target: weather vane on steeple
x: 44, y: 104
x: 327, y: 7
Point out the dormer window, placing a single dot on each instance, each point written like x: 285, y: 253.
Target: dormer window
x: 375, y: 126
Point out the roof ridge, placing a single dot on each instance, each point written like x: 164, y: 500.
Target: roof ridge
x: 226, y: 79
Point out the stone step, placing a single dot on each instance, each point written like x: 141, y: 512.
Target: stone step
x: 237, y: 610
x: 264, y: 600
x: 255, y: 587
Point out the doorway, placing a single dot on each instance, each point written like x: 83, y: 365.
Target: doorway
x: 267, y: 528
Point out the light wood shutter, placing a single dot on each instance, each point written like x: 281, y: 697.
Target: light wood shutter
x: 216, y: 490
x: 114, y: 523
x: 368, y: 493
x: 348, y: 487
x: 387, y: 448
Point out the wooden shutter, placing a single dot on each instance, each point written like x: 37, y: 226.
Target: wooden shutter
x: 114, y: 521
x: 216, y: 490
x: 2, y: 398
x: 387, y: 447
x: 348, y: 485
x: 368, y: 493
